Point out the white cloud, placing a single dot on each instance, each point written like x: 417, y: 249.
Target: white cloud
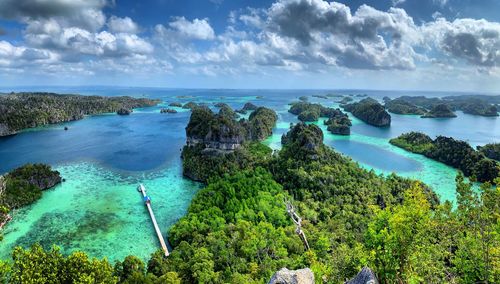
x: 122, y: 25
x: 196, y: 29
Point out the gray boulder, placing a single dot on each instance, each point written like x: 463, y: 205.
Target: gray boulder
x: 365, y: 276
x: 285, y: 276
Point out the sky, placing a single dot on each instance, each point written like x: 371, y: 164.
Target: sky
x: 445, y: 45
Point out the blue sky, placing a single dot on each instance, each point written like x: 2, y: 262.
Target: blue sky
x: 451, y: 45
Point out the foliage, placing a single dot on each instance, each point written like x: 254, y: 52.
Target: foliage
x: 24, y: 185
x: 369, y: 111
x: 455, y: 153
x: 26, y: 110
x: 403, y: 107
x: 35, y: 265
x: 491, y: 151
x: 440, y: 110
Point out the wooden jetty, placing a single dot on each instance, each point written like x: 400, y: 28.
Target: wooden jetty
x: 147, y: 201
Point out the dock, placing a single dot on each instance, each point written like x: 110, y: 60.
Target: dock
x: 147, y: 201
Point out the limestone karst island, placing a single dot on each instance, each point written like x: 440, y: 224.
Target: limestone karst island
x: 268, y: 141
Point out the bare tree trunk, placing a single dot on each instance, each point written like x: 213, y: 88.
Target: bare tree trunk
x: 298, y: 222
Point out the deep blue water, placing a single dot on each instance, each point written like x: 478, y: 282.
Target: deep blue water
x: 148, y: 140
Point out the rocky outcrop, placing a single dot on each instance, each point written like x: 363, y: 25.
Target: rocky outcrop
x: 216, y: 141
x: 440, y: 111
x: 249, y: 106
x: 190, y: 105
x: 174, y: 104
x: 124, y: 111
x: 338, y: 123
x: 365, y: 276
x: 168, y: 110
x: 300, y: 276
x: 370, y: 111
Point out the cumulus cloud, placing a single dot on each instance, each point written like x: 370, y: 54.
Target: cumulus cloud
x: 475, y: 41
x: 195, y: 29
x: 122, y: 25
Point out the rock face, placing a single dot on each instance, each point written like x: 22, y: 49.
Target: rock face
x: 124, y: 111
x: 370, y: 111
x: 216, y: 141
x: 285, y: 276
x: 365, y: 276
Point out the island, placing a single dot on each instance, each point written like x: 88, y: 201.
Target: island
x: 190, y: 105
x: 369, y: 111
x: 175, y: 104
x: 399, y: 106
x: 218, y: 142
x: 440, y: 111
x: 167, y: 110
x: 482, y: 105
x: 455, y: 153
x: 339, y: 124
x: 23, y: 186
x: 20, y: 111
x: 491, y: 150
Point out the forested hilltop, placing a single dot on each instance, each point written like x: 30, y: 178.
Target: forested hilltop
x: 26, y: 110
x: 455, y: 153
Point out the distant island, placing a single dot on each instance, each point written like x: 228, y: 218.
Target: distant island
x: 444, y: 107
x: 491, y: 151
x: 455, y: 153
x: 369, y: 111
x: 338, y: 122
x: 440, y: 111
x: 19, y: 111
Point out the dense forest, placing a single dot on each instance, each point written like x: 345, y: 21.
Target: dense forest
x: 369, y: 111
x: 439, y: 111
x: 26, y: 110
x: 455, y: 153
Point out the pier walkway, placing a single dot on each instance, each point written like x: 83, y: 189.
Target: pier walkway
x: 147, y: 201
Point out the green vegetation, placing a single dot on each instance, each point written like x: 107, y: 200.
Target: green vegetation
x: 491, y: 151
x: 471, y: 104
x: 399, y: 106
x: 218, y: 143
x: 339, y: 123
x: 369, y: 111
x: 24, y: 185
x: 455, y: 153
x: 26, y: 110
x: 439, y: 111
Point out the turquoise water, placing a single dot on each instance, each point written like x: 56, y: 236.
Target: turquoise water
x: 103, y: 158
x: 101, y: 212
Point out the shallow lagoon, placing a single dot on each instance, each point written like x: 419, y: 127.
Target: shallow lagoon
x: 104, y: 157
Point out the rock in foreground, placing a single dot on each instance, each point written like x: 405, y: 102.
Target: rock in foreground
x: 365, y: 276
x: 285, y: 276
